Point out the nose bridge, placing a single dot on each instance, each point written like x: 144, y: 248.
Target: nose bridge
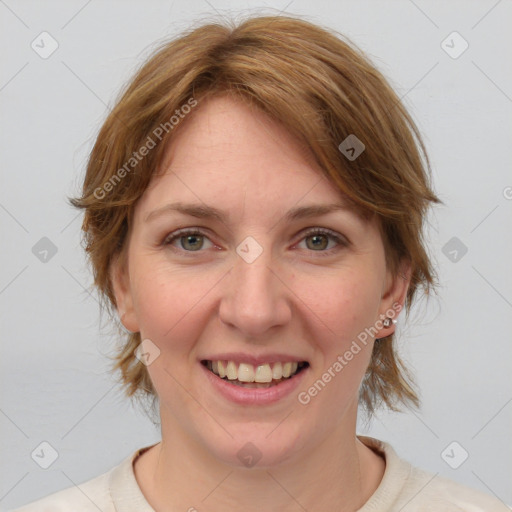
x: 255, y: 299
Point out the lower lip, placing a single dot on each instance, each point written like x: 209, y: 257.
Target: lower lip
x: 254, y: 396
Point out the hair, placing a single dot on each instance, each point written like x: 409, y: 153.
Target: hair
x: 321, y: 88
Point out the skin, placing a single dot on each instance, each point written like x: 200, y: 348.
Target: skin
x: 295, y: 298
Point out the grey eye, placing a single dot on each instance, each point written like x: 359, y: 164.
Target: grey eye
x: 317, y: 242
x: 192, y: 242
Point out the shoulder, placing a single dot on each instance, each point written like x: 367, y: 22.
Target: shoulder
x: 410, y: 489
x: 424, y: 488
x: 87, y: 497
x: 111, y: 491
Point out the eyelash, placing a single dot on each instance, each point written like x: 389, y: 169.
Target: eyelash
x: 311, y: 232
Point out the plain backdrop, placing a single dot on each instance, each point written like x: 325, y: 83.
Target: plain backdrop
x: 55, y: 381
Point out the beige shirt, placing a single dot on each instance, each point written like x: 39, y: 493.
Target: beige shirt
x: 403, y: 488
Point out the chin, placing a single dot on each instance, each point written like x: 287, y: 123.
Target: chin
x: 256, y: 446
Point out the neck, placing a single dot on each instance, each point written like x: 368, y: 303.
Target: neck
x: 177, y: 474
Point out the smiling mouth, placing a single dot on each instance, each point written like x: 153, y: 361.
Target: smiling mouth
x: 248, y: 376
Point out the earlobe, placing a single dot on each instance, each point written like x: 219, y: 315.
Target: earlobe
x: 122, y: 292
x: 393, y: 298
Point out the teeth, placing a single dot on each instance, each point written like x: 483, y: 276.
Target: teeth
x: 277, y: 371
x: 263, y: 373
x: 245, y: 372
x: 221, y: 370
x: 231, y: 371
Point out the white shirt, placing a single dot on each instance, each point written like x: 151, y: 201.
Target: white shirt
x: 403, y: 488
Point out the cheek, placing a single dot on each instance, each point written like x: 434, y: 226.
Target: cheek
x: 339, y: 310
x: 170, y: 303
x: 171, y: 307
x: 341, y: 303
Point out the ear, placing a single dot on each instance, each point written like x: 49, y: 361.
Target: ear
x: 393, y: 297
x: 120, y: 279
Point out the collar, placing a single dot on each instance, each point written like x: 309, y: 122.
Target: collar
x: 127, y: 496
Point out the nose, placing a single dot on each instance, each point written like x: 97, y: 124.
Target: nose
x: 255, y: 299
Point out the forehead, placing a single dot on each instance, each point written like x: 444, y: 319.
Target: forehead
x: 227, y: 153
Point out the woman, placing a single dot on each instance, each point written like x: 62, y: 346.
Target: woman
x: 253, y: 213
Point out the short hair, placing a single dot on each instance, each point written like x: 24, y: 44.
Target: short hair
x: 322, y: 89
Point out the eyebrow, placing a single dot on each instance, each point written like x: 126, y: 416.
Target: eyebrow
x: 202, y: 211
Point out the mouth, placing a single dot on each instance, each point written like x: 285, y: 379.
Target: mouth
x: 250, y: 376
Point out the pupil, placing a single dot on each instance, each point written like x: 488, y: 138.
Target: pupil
x: 319, y: 238
x: 194, y: 239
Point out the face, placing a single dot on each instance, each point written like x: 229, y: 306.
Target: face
x: 267, y: 280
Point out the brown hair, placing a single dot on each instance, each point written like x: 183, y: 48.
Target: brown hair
x: 322, y: 89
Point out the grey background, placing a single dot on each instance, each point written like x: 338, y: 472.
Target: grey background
x: 55, y: 381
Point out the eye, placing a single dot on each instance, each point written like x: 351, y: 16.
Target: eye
x: 190, y: 240
x: 317, y: 240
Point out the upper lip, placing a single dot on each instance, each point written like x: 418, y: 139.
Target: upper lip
x: 255, y: 360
